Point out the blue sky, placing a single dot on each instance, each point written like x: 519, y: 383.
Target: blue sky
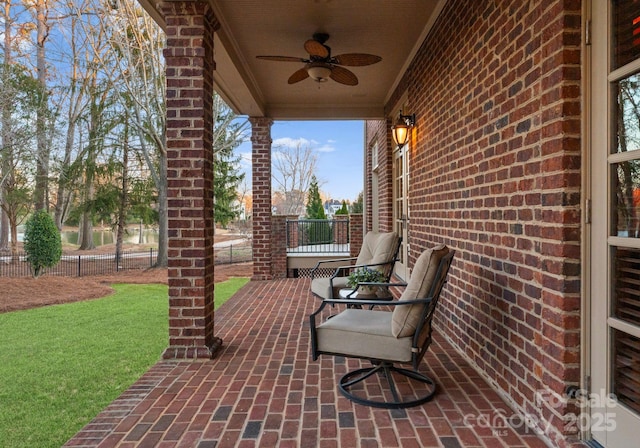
x: 338, y: 145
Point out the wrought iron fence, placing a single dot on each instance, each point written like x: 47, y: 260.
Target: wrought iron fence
x: 87, y: 265
x: 317, y: 235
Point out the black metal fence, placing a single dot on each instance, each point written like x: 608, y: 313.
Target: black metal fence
x: 88, y: 265
x: 317, y: 235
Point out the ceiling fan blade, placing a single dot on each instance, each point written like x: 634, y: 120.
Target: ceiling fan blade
x: 315, y: 48
x: 344, y: 76
x: 298, y: 75
x: 356, y: 59
x: 282, y: 58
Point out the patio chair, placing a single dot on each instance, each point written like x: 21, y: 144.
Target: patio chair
x: 378, y: 251
x: 386, y: 338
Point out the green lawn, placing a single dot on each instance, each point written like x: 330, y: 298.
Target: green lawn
x: 61, y: 365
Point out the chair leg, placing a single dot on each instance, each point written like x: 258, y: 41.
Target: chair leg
x: 386, y: 369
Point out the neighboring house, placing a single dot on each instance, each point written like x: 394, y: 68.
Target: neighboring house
x: 241, y: 209
x: 331, y: 206
x: 524, y: 158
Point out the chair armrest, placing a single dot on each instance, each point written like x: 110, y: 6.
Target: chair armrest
x: 372, y: 302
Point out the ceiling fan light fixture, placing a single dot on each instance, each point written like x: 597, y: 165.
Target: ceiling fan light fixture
x: 319, y: 71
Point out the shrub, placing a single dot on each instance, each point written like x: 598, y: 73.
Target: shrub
x: 42, y: 242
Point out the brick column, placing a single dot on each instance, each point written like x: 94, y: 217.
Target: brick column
x: 189, y: 72
x: 293, y: 231
x: 278, y: 246
x: 356, y: 233
x: 261, y: 180
x: 340, y: 229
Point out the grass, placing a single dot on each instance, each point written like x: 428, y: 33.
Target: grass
x: 226, y: 289
x: 61, y: 365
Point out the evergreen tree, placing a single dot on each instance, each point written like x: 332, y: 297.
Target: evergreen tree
x: 315, y: 210
x: 358, y: 206
x: 343, y: 210
x: 226, y: 164
x: 317, y: 232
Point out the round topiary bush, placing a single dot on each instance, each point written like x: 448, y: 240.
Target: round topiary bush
x: 42, y: 242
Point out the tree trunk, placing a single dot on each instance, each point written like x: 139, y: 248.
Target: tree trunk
x: 4, y: 231
x: 5, y: 143
x: 62, y: 196
x: 124, y: 192
x: 41, y: 192
x: 14, y: 239
x: 163, y: 216
x: 85, y: 234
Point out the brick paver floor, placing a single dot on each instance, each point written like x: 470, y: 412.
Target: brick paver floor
x: 263, y: 390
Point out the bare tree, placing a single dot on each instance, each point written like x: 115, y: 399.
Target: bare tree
x: 139, y: 42
x: 292, y: 169
x: 73, y: 102
x: 18, y: 101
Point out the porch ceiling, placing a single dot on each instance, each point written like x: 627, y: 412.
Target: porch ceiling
x: 392, y: 29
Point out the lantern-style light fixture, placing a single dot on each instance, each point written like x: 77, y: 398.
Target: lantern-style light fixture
x: 400, y: 130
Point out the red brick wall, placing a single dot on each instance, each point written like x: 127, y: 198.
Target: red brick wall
x: 189, y: 59
x: 495, y: 174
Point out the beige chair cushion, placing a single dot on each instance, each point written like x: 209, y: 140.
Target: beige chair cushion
x: 363, y: 333
x: 321, y: 287
x: 377, y: 248
x: 406, y: 318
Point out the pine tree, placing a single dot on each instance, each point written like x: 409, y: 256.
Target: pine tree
x: 318, y: 232
x: 358, y: 205
x: 344, y: 210
x: 315, y: 210
x: 226, y: 164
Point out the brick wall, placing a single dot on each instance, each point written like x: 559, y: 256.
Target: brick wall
x: 495, y: 174
x: 189, y: 60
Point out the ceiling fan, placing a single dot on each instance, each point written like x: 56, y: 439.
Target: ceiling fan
x: 320, y: 66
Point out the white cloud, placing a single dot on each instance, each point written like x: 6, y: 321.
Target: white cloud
x: 289, y: 142
x: 326, y: 148
x: 293, y: 142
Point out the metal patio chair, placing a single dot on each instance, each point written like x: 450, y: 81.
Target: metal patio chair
x: 387, y: 338
x: 378, y: 251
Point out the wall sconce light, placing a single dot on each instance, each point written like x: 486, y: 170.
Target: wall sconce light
x: 400, y: 130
